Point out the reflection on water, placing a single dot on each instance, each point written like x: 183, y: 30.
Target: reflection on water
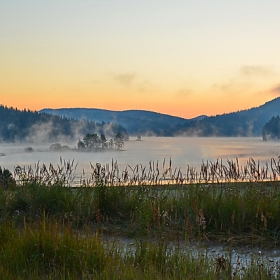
x: 238, y: 257
x: 182, y: 150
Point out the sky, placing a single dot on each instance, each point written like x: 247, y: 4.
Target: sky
x: 182, y: 57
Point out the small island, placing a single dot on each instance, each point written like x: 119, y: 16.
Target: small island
x: 93, y: 142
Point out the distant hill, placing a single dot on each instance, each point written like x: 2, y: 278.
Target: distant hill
x: 25, y: 125
x: 135, y: 121
x: 241, y: 123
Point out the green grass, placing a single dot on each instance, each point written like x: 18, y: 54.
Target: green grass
x: 55, y: 232
x: 228, y: 211
x: 51, y: 251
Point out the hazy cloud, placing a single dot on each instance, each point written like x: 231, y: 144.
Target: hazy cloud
x: 246, y: 79
x: 256, y: 70
x: 144, y: 86
x: 183, y: 92
x: 125, y: 79
x: 232, y: 86
x: 134, y: 81
x: 276, y: 90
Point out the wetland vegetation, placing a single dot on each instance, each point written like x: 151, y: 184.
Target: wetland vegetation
x: 50, y: 230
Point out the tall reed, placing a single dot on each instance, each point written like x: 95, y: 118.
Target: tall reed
x: 155, y: 174
x: 239, y: 212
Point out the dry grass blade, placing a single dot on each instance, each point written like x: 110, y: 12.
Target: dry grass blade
x: 110, y: 174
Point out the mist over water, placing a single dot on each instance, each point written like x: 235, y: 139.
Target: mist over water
x: 183, y: 151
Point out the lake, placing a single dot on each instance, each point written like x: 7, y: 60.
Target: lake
x: 183, y: 151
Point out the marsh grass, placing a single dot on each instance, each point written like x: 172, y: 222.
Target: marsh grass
x: 49, y: 250
x: 52, y: 251
x: 50, y: 231
x: 233, y: 212
x: 155, y: 174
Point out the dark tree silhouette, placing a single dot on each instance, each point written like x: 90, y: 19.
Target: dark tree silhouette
x: 271, y: 130
x: 16, y: 125
x: 94, y: 142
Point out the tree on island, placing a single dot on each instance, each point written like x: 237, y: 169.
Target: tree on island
x: 58, y: 147
x: 118, y: 141
x: 94, y: 142
x: 81, y: 145
x: 91, y: 141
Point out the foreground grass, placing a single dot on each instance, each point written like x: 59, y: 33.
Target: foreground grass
x: 53, y: 232
x: 242, y: 213
x: 49, y: 251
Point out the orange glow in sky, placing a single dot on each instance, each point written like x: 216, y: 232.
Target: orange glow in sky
x: 182, y: 58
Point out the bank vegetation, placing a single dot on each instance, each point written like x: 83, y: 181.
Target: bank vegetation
x: 53, y: 231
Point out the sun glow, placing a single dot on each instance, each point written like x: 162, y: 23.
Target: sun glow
x: 177, y: 58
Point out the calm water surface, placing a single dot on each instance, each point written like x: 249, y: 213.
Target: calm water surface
x: 183, y: 151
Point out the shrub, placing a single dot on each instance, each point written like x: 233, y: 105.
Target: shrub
x: 6, y: 179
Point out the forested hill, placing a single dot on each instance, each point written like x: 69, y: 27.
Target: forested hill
x: 242, y: 123
x: 135, y: 121
x: 26, y: 125
x: 271, y: 130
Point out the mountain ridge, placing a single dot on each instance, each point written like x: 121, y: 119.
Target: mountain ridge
x: 32, y: 126
x: 248, y: 122
x: 135, y: 121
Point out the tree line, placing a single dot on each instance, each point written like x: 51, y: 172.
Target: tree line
x: 23, y: 125
x: 271, y: 130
